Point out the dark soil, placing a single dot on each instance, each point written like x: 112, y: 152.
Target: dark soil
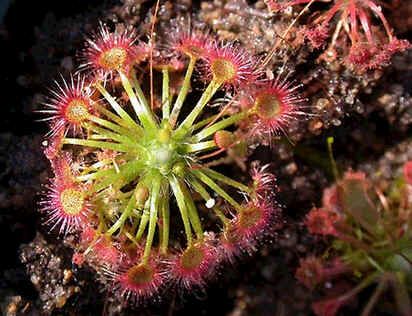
x: 369, y: 117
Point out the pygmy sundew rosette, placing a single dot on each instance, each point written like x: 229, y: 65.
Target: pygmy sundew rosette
x: 350, y: 27
x: 132, y: 183
x: 372, y: 243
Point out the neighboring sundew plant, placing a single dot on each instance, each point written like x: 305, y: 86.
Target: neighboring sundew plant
x: 371, y: 45
x: 372, y: 243
x: 132, y: 180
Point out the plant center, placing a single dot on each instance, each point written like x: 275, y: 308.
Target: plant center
x: 164, y: 153
x: 162, y: 156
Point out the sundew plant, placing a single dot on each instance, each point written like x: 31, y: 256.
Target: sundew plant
x: 356, y: 30
x: 372, y: 244
x: 132, y: 158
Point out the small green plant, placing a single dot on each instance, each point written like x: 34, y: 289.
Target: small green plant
x: 132, y: 179
x: 372, y: 242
